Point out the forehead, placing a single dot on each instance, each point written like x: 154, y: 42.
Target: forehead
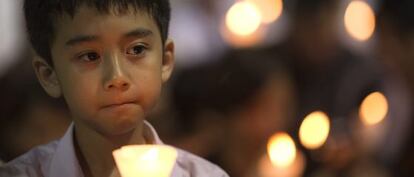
x: 90, y: 21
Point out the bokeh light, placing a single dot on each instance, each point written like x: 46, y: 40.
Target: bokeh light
x: 373, y: 109
x: 270, y: 9
x: 314, y: 130
x: 238, y: 41
x: 359, y: 20
x: 281, y: 150
x: 243, y: 18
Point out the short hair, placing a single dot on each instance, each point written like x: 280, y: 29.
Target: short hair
x: 40, y: 17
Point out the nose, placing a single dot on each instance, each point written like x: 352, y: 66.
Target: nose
x: 117, y: 84
x: 116, y: 77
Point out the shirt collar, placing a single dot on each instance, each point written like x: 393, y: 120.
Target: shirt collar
x: 64, y: 162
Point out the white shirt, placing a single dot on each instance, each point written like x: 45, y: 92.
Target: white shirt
x: 58, y: 159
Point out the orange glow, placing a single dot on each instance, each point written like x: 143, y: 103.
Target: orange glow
x: 145, y: 160
x: 359, y: 20
x: 243, y: 18
x: 281, y: 150
x: 269, y: 9
x: 373, y: 109
x: 314, y: 130
x: 242, y: 41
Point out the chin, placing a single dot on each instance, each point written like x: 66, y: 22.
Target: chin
x: 120, y: 124
x: 125, y: 125
x: 120, y: 120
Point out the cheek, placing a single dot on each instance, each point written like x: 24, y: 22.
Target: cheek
x: 79, y: 93
x: 148, y: 88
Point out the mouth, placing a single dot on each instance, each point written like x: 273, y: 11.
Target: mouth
x: 120, y: 104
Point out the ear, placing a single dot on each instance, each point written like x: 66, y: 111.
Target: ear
x: 168, y: 60
x: 46, y: 76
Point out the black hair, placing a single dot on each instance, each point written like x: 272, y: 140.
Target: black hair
x: 40, y: 17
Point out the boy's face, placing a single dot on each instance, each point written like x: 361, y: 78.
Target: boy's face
x: 109, y: 68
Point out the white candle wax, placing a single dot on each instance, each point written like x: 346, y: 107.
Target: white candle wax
x: 145, y: 160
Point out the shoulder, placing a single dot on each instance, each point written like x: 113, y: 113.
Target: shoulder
x: 32, y: 163
x: 195, y: 166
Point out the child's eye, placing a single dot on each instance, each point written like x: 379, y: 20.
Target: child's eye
x: 89, y: 57
x: 136, y: 50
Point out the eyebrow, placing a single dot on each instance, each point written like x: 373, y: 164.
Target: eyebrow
x: 81, y: 39
x: 138, y: 33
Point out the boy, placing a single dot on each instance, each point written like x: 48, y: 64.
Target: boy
x: 108, y: 59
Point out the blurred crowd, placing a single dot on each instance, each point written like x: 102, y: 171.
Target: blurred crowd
x: 225, y: 102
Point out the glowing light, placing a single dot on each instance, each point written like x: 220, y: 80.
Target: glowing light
x: 373, y: 109
x: 359, y: 20
x: 281, y: 150
x: 242, y: 41
x: 270, y: 9
x: 243, y: 18
x: 145, y: 160
x: 314, y: 130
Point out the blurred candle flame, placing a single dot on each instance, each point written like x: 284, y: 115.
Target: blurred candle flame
x: 242, y: 41
x: 373, y: 109
x: 359, y: 20
x: 314, y: 130
x: 281, y: 150
x: 243, y: 18
x: 145, y: 160
x: 270, y: 9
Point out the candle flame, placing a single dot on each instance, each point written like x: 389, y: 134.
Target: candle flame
x: 270, y: 10
x: 359, y: 20
x: 243, y: 18
x: 373, y: 109
x: 314, y: 130
x: 281, y: 150
x: 242, y: 41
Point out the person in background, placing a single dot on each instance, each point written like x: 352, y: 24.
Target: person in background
x: 334, y: 79
x: 396, y: 49
x: 329, y: 77
x: 229, y: 108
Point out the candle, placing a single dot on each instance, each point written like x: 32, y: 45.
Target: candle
x: 283, y: 159
x: 373, y: 109
x: 359, y: 20
x: 145, y: 160
x: 373, y: 126
x: 314, y: 130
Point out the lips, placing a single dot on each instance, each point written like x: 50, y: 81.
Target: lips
x: 119, y: 103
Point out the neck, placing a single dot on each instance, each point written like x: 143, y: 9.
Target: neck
x: 94, y: 149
